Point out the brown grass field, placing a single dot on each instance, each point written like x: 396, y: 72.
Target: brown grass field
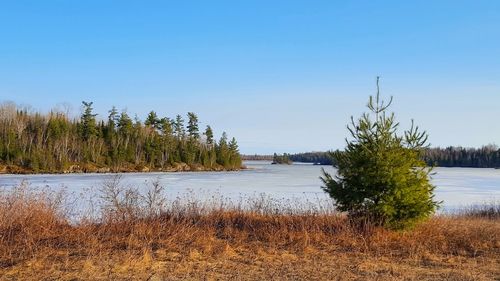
x: 138, y: 238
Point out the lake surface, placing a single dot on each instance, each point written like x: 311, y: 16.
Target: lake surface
x: 457, y: 187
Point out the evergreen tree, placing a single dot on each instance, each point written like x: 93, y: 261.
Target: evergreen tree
x: 166, y: 131
x: 192, y: 126
x: 88, y: 123
x: 165, y: 125
x: 110, y: 137
x: 209, y: 134
x: 152, y: 120
x: 223, y: 151
x: 381, y: 176
x: 192, y: 151
x: 209, y: 154
x: 179, y: 127
x: 113, y: 118
x: 235, y: 158
x: 125, y: 123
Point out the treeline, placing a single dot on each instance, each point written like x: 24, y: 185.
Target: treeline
x: 320, y: 158
x: 35, y: 142
x: 485, y: 157
x: 257, y: 157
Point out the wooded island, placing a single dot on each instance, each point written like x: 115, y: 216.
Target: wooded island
x: 31, y: 142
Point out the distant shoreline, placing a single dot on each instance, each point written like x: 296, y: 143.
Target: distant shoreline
x: 180, y: 168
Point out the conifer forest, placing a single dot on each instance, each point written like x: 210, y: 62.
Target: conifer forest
x: 32, y: 142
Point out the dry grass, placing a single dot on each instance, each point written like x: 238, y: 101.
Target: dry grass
x: 138, y: 237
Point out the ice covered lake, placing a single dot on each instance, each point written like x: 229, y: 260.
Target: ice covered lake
x: 456, y: 187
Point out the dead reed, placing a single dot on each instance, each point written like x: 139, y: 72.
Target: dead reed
x: 138, y: 234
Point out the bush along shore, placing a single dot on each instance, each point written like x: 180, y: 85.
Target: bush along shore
x: 31, y: 142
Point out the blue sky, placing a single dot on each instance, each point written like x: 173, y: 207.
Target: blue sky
x: 280, y: 76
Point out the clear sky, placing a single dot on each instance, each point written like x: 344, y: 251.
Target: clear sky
x: 280, y: 76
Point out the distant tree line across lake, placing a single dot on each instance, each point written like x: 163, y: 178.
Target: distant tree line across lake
x: 485, y: 157
x: 53, y: 142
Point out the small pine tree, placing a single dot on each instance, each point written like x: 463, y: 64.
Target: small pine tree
x: 179, y: 129
x: 152, y: 120
x: 223, y: 151
x: 88, y: 122
x: 209, y: 134
x: 112, y: 118
x: 235, y: 158
x: 125, y: 123
x: 381, y: 175
x: 192, y: 126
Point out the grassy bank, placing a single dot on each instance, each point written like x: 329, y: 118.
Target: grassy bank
x: 139, y: 237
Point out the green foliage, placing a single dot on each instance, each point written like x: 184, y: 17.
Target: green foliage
x: 192, y: 126
x: 487, y: 156
x: 209, y: 134
x: 234, y: 154
x: 152, y: 120
x: 88, y: 124
x: 179, y: 129
x: 53, y: 143
x: 321, y: 158
x: 381, y: 176
x: 282, y: 159
x: 125, y: 124
x: 113, y: 117
x: 166, y: 126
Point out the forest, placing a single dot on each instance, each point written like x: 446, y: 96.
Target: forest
x: 487, y: 156
x: 32, y: 142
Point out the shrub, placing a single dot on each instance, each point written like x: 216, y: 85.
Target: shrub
x: 381, y: 176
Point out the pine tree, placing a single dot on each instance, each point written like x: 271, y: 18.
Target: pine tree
x: 165, y: 126
x: 192, y: 126
x: 152, y: 120
x: 381, y: 176
x: 209, y: 134
x: 88, y: 124
x: 112, y: 118
x: 223, y: 151
x: 234, y: 158
x: 209, y: 154
x: 125, y: 123
x: 179, y: 127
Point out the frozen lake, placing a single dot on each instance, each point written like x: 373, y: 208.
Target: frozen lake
x: 457, y: 187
